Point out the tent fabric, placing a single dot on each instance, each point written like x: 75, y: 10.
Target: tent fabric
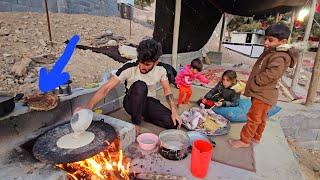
x: 199, y: 18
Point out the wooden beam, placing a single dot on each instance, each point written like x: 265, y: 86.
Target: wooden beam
x: 297, y: 71
x: 315, y: 81
x: 221, y: 32
x: 293, y: 18
x: 177, y: 14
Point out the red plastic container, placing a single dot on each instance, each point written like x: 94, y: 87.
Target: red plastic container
x: 200, y: 158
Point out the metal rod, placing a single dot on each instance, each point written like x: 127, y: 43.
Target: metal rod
x: 221, y: 32
x: 176, y: 33
x: 48, y: 21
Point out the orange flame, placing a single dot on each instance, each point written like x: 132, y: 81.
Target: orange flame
x: 100, y: 165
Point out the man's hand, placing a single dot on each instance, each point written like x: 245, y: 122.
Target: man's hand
x: 176, y: 119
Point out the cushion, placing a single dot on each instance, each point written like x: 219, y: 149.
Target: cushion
x: 239, y: 113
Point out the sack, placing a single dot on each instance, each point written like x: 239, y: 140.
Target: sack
x: 239, y: 113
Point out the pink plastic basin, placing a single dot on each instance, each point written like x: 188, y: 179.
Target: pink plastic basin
x: 147, y: 141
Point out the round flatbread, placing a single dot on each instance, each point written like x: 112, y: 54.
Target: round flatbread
x: 72, y: 141
x: 42, y: 102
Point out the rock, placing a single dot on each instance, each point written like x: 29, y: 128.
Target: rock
x: 10, y: 81
x: 17, y: 31
x: 20, y: 81
x: 109, y: 32
x: 20, y: 68
x: 112, y: 43
x: 4, y: 32
x: 42, y: 42
x: 5, y: 55
x: 9, y: 60
x: 30, y: 80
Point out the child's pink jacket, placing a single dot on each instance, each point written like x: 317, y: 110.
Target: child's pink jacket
x: 186, y: 76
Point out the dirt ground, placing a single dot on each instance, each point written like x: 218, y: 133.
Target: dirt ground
x: 25, y: 35
x: 309, y: 161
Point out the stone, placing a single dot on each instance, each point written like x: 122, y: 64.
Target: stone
x: 5, y: 55
x: 109, y: 32
x: 112, y: 43
x: 20, y: 81
x: 17, y: 31
x: 42, y: 42
x: 30, y: 80
x: 10, y: 81
x: 4, y: 32
x: 20, y: 68
x: 9, y: 60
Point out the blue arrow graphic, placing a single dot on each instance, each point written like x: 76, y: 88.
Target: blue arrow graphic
x: 48, y: 81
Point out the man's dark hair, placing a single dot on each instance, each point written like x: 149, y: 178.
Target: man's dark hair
x: 232, y: 75
x: 149, y: 50
x: 279, y: 31
x: 197, y: 64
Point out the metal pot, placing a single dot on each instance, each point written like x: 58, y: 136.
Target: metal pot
x: 174, y: 144
x: 7, y: 103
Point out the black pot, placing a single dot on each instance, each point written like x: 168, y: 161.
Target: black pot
x: 174, y: 144
x: 7, y: 103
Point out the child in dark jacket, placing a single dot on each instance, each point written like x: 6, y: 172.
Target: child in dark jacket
x: 222, y: 94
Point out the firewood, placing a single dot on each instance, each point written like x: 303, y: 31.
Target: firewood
x: 147, y: 176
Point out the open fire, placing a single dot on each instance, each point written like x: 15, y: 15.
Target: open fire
x: 109, y: 164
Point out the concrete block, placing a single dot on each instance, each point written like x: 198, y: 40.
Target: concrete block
x: 306, y: 135
x: 5, y: 7
x: 24, y: 2
x: 82, y: 100
x: 314, y: 145
x: 15, y: 131
x: 20, y: 8
x: 215, y: 57
x: 52, y: 6
x: 10, y: 1
x: 35, y: 9
x: 126, y: 131
x: 62, y: 6
x: 183, y: 58
x: 84, y: 3
x: 36, y: 3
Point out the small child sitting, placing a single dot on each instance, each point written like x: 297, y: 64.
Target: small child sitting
x: 185, y: 78
x: 223, y: 94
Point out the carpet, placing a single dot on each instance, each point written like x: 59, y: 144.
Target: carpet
x: 241, y: 158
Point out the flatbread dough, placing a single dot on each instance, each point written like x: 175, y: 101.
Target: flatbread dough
x: 71, y: 141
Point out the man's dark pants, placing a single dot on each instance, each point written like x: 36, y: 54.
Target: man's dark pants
x: 138, y: 105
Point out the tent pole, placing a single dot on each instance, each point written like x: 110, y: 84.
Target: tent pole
x: 221, y: 32
x: 315, y: 81
x: 176, y: 33
x: 48, y: 21
x: 278, y: 17
x: 297, y: 71
x: 293, y: 17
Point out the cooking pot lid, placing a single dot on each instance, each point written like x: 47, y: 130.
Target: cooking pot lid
x: 45, y: 148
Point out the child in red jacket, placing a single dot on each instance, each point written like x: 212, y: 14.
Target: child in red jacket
x: 185, y: 78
